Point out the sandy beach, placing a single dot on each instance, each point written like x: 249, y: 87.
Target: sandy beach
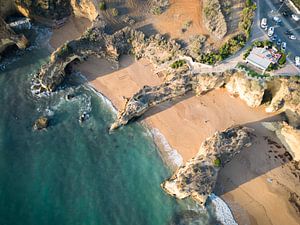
x: 252, y: 183
x: 256, y: 184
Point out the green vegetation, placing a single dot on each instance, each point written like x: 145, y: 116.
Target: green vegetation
x: 251, y: 72
x: 102, y: 6
x: 177, y: 64
x: 282, y: 60
x: 234, y: 44
x: 217, y: 162
x: 157, y: 10
x: 297, y: 3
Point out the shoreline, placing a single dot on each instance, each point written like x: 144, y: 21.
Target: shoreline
x: 172, y: 160
x: 186, y: 122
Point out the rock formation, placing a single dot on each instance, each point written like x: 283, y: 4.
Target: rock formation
x: 84, y: 8
x: 214, y: 19
x: 288, y: 135
x: 41, y: 123
x: 249, y: 89
x: 50, y: 12
x: 198, y: 176
x: 287, y: 96
x: 8, y: 37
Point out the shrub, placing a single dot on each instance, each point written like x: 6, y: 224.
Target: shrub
x: 282, y: 59
x: 177, y: 64
x: 217, y: 162
x: 249, y: 3
x: 102, y: 6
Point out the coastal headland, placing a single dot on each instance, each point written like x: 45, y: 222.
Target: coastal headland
x: 160, y: 87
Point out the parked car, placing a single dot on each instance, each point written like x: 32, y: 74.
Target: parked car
x: 274, y: 38
x: 277, y: 19
x: 283, y: 46
x: 292, y: 37
x: 285, y: 13
x: 288, y: 32
x: 297, y: 61
x: 295, y: 17
x: 264, y: 22
x: 271, y: 31
x: 279, y: 42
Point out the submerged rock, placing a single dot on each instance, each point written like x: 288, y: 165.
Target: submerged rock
x: 41, y: 123
x: 197, y: 178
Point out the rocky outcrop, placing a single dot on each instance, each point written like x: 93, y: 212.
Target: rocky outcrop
x: 50, y: 12
x: 148, y: 97
x: 214, y: 19
x: 288, y: 135
x: 197, y: 178
x: 7, y: 7
x: 84, y: 8
x: 8, y: 37
x: 287, y: 96
x: 249, y: 89
x: 41, y: 123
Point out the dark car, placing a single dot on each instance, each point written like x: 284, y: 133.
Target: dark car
x: 285, y: 13
x: 288, y: 32
x: 279, y: 42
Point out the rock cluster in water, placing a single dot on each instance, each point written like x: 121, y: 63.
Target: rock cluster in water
x: 198, y: 176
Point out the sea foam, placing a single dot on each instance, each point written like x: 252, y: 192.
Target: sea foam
x: 223, y: 212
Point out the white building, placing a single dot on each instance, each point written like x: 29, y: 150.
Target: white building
x: 262, y: 57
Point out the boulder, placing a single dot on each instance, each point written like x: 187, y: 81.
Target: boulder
x: 41, y: 123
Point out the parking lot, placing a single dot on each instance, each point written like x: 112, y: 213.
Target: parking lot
x: 275, y: 8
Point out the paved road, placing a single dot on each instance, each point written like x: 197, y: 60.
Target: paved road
x: 264, y: 8
x: 271, y: 8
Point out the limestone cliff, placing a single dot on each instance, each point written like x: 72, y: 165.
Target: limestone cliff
x: 287, y: 96
x: 197, y: 178
x: 249, y: 89
x: 84, y: 8
x: 7, y: 7
x: 288, y: 135
x: 9, y: 38
x: 49, y: 12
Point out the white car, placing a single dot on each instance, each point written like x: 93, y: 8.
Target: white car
x: 292, y: 37
x: 264, y: 22
x: 271, y: 31
x: 277, y: 19
x: 295, y: 17
x: 283, y: 46
x: 297, y: 61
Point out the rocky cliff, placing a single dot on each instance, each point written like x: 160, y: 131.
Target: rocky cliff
x: 84, y: 8
x: 197, y: 178
x: 248, y: 89
x: 8, y: 37
x: 288, y: 135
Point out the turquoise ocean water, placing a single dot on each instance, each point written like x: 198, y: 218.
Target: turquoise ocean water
x: 76, y: 173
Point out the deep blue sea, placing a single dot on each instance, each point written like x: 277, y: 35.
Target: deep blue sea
x: 76, y: 173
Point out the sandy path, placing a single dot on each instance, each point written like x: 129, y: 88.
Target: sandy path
x: 187, y: 122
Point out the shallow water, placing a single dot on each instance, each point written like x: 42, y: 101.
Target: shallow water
x: 76, y: 173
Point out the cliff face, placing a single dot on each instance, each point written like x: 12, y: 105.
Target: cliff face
x: 7, y: 7
x: 84, y: 8
x: 9, y: 38
x: 248, y: 89
x: 49, y: 12
x: 288, y: 135
x: 197, y: 178
x: 287, y: 97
